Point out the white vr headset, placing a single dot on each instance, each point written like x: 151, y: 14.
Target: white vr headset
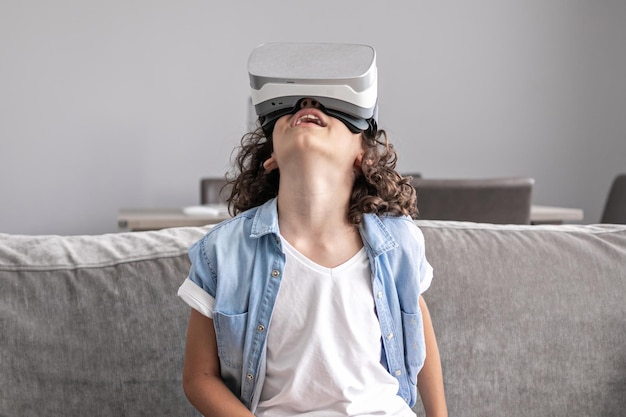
x: 341, y: 77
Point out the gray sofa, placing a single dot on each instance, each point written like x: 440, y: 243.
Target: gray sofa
x: 531, y: 321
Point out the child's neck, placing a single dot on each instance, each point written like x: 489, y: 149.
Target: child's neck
x: 313, y: 217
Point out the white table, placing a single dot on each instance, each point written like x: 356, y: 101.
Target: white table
x: 153, y: 219
x: 554, y: 215
x: 161, y: 218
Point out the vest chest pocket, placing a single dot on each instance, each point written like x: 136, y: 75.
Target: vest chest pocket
x: 414, y: 344
x: 230, y: 331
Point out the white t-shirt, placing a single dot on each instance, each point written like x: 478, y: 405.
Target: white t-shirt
x: 324, y: 345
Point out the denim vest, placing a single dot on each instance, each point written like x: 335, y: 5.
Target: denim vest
x: 239, y: 262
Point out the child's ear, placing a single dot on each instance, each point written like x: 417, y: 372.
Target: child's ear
x: 270, y: 165
x: 358, y: 161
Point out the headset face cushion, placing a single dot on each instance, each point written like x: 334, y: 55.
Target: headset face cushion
x: 355, y: 124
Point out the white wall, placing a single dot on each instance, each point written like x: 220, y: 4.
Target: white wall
x: 129, y: 103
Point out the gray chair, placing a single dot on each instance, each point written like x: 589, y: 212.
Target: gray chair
x: 411, y: 174
x: 214, y: 191
x: 492, y: 200
x: 615, y: 206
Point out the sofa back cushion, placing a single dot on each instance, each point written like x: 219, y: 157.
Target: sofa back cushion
x: 91, y: 325
x: 531, y: 320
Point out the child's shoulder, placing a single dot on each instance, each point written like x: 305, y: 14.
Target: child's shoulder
x: 399, y: 229
x: 231, y: 228
x: 401, y: 224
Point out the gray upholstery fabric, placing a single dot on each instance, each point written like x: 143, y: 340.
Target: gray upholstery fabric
x: 531, y: 321
x: 91, y: 325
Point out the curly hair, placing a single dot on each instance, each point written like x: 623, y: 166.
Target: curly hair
x: 380, y: 189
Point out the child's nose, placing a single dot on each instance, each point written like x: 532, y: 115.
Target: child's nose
x: 309, y: 102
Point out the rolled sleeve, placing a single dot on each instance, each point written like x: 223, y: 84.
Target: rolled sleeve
x: 197, y: 298
x: 198, y: 289
x: 425, y: 270
x: 426, y: 273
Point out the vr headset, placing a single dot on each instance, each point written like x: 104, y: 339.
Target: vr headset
x: 341, y: 77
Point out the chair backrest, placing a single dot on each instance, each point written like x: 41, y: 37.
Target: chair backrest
x: 490, y: 200
x: 615, y: 206
x: 213, y: 191
x: 412, y: 174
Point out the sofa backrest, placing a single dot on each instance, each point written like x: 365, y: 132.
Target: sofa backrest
x: 530, y: 320
x: 92, y: 326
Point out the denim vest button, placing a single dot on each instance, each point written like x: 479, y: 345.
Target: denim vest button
x: 260, y: 327
x: 249, y: 377
x: 397, y: 372
x: 390, y: 336
x: 275, y: 273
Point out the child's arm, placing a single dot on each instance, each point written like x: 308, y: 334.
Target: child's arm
x: 202, y: 382
x: 430, y: 378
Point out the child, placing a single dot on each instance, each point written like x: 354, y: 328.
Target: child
x: 308, y: 301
